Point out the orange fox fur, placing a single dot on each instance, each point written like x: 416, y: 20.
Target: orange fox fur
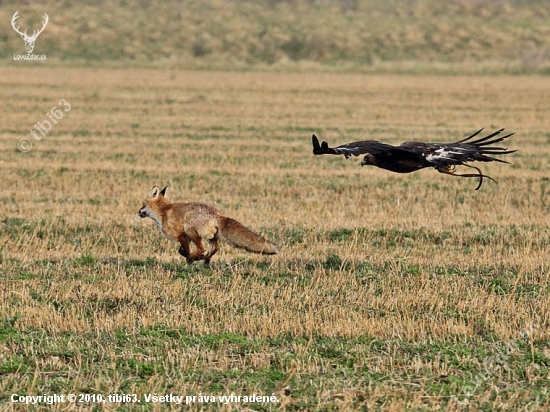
x: 197, y: 222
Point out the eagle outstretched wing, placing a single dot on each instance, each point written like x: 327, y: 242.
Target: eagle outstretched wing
x: 411, y: 156
x: 350, y: 149
x: 466, y: 150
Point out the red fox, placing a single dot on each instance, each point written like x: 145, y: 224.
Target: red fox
x: 196, y: 222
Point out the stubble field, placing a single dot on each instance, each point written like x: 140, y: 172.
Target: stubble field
x: 390, y: 292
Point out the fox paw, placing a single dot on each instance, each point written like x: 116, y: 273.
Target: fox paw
x: 191, y: 260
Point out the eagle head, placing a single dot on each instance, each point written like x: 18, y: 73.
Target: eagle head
x: 368, y: 160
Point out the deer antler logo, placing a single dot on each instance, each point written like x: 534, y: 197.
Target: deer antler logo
x: 29, y: 40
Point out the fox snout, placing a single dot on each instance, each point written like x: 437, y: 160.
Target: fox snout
x: 142, y: 212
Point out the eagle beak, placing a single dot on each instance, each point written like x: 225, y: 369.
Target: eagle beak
x: 364, y: 162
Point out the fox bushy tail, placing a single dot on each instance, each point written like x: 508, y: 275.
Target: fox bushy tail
x: 238, y: 235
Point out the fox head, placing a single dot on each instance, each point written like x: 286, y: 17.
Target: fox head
x: 147, y: 208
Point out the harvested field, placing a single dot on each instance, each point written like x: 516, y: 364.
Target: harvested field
x: 390, y: 292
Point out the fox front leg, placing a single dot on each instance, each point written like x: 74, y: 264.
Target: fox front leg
x: 192, y: 236
x: 184, y: 245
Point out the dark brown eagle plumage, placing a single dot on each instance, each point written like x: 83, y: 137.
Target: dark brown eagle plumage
x: 411, y: 156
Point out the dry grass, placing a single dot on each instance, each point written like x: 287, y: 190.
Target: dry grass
x: 390, y: 291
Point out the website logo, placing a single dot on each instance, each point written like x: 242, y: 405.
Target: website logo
x: 29, y: 40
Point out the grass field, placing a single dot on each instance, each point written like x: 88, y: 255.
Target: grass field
x: 391, y: 292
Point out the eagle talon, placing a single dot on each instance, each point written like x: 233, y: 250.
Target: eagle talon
x: 451, y: 171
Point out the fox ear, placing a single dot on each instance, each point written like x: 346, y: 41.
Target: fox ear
x: 163, y: 191
x: 154, y: 192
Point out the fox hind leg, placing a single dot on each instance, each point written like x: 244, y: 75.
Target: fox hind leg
x: 213, y: 250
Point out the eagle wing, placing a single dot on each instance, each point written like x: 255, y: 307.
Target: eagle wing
x: 350, y: 149
x: 446, y: 156
x: 399, y: 159
x: 443, y: 155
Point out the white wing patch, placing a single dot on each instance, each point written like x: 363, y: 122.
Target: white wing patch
x: 443, y: 153
x: 347, y: 152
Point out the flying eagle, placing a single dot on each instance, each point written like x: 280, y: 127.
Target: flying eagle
x: 411, y: 156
